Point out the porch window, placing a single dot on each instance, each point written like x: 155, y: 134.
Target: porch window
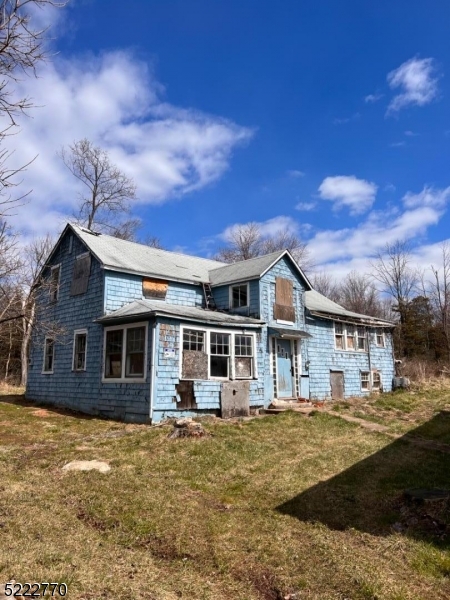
x: 219, y: 355
x: 365, y: 380
x: 49, y: 355
x: 125, y: 352
x: 195, y: 358
x: 243, y: 356
x: 239, y: 295
x: 79, y: 351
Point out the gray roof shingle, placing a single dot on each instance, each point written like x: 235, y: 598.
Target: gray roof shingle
x: 317, y: 303
x: 144, y: 308
x: 130, y: 257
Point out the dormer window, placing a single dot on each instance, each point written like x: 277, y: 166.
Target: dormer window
x: 239, y: 295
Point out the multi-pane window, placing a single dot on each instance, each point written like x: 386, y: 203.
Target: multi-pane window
x: 361, y: 338
x: 79, y: 351
x: 54, y: 283
x: 339, y: 336
x: 125, y: 353
x: 365, y: 380
x: 193, y: 340
x: 219, y: 354
x: 376, y: 380
x: 243, y: 356
x: 379, y: 339
x: 49, y: 355
x: 349, y: 337
x: 135, y: 352
x: 239, y: 295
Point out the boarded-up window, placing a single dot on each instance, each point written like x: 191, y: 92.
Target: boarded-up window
x: 80, y: 276
x: 154, y: 288
x: 195, y: 358
x: 283, y: 309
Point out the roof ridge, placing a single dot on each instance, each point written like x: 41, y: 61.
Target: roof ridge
x: 253, y: 258
x: 86, y: 230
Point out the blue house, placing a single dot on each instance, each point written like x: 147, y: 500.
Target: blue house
x: 144, y: 334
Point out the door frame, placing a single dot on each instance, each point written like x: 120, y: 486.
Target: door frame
x: 273, y: 362
x: 341, y: 372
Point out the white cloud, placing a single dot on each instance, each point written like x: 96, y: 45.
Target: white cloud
x: 115, y: 101
x: 268, y: 229
x: 371, y: 98
x: 305, y: 206
x: 417, y: 81
x: 344, y: 120
x: 389, y: 187
x: 397, y: 144
x: 295, y: 173
x: 348, y: 190
x: 427, y: 197
x: 411, y: 133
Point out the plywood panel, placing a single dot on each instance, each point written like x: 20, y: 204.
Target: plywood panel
x: 234, y: 399
x: 195, y: 365
x: 154, y: 288
x: 284, y: 292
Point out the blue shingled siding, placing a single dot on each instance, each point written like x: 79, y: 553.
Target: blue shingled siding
x: 324, y: 358
x: 285, y: 269
x: 121, y: 288
x: 206, y: 392
x: 81, y: 391
x: 221, y: 295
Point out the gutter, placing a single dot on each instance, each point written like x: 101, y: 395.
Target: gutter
x: 353, y: 320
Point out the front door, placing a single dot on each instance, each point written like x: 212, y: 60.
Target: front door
x: 284, y: 369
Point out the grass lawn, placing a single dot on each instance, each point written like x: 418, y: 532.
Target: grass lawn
x: 279, y: 507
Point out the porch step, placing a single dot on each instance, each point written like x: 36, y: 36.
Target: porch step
x: 296, y: 404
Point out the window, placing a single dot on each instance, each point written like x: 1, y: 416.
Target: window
x: 49, y: 355
x: 361, y: 338
x: 154, y: 288
x: 379, y: 339
x: 243, y: 356
x: 283, y: 309
x: 79, y: 350
x: 376, y: 380
x: 365, y: 380
x: 349, y: 337
x: 125, y: 353
x: 239, y: 296
x: 80, y: 275
x: 54, y: 282
x: 219, y: 355
x: 339, y: 336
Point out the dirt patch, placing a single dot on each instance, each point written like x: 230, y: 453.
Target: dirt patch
x: 87, y: 465
x: 44, y: 413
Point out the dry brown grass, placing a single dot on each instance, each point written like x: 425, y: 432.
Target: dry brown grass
x: 260, y: 510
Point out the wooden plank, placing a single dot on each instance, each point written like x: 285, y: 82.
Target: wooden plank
x: 185, y: 391
x: 80, y: 277
x: 154, y: 288
x: 284, y: 292
x: 284, y: 313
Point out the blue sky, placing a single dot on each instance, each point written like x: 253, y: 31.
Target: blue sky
x: 330, y: 119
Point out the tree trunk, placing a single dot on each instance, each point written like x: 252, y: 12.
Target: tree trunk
x: 25, y: 348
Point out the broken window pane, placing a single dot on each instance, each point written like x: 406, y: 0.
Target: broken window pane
x: 339, y: 336
x: 49, y: 354
x: 54, y: 283
x: 361, y: 338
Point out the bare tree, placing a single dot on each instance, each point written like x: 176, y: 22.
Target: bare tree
x: 358, y: 293
x: 22, y: 47
x: 153, y: 242
x: 108, y: 192
x: 440, y: 294
x: 324, y: 283
x: 247, y: 241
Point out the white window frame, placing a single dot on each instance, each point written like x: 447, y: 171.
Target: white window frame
x: 48, y: 338
x: 231, y: 356
x: 52, y: 290
x: 368, y: 380
x: 75, y: 334
x: 376, y: 371
x: 383, y: 339
x: 122, y: 378
x: 355, y: 336
x: 247, y: 284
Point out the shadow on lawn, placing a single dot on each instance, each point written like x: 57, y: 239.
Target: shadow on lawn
x: 20, y: 400
x: 369, y: 496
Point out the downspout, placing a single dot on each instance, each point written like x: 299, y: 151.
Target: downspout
x: 369, y: 358
x: 153, y: 370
